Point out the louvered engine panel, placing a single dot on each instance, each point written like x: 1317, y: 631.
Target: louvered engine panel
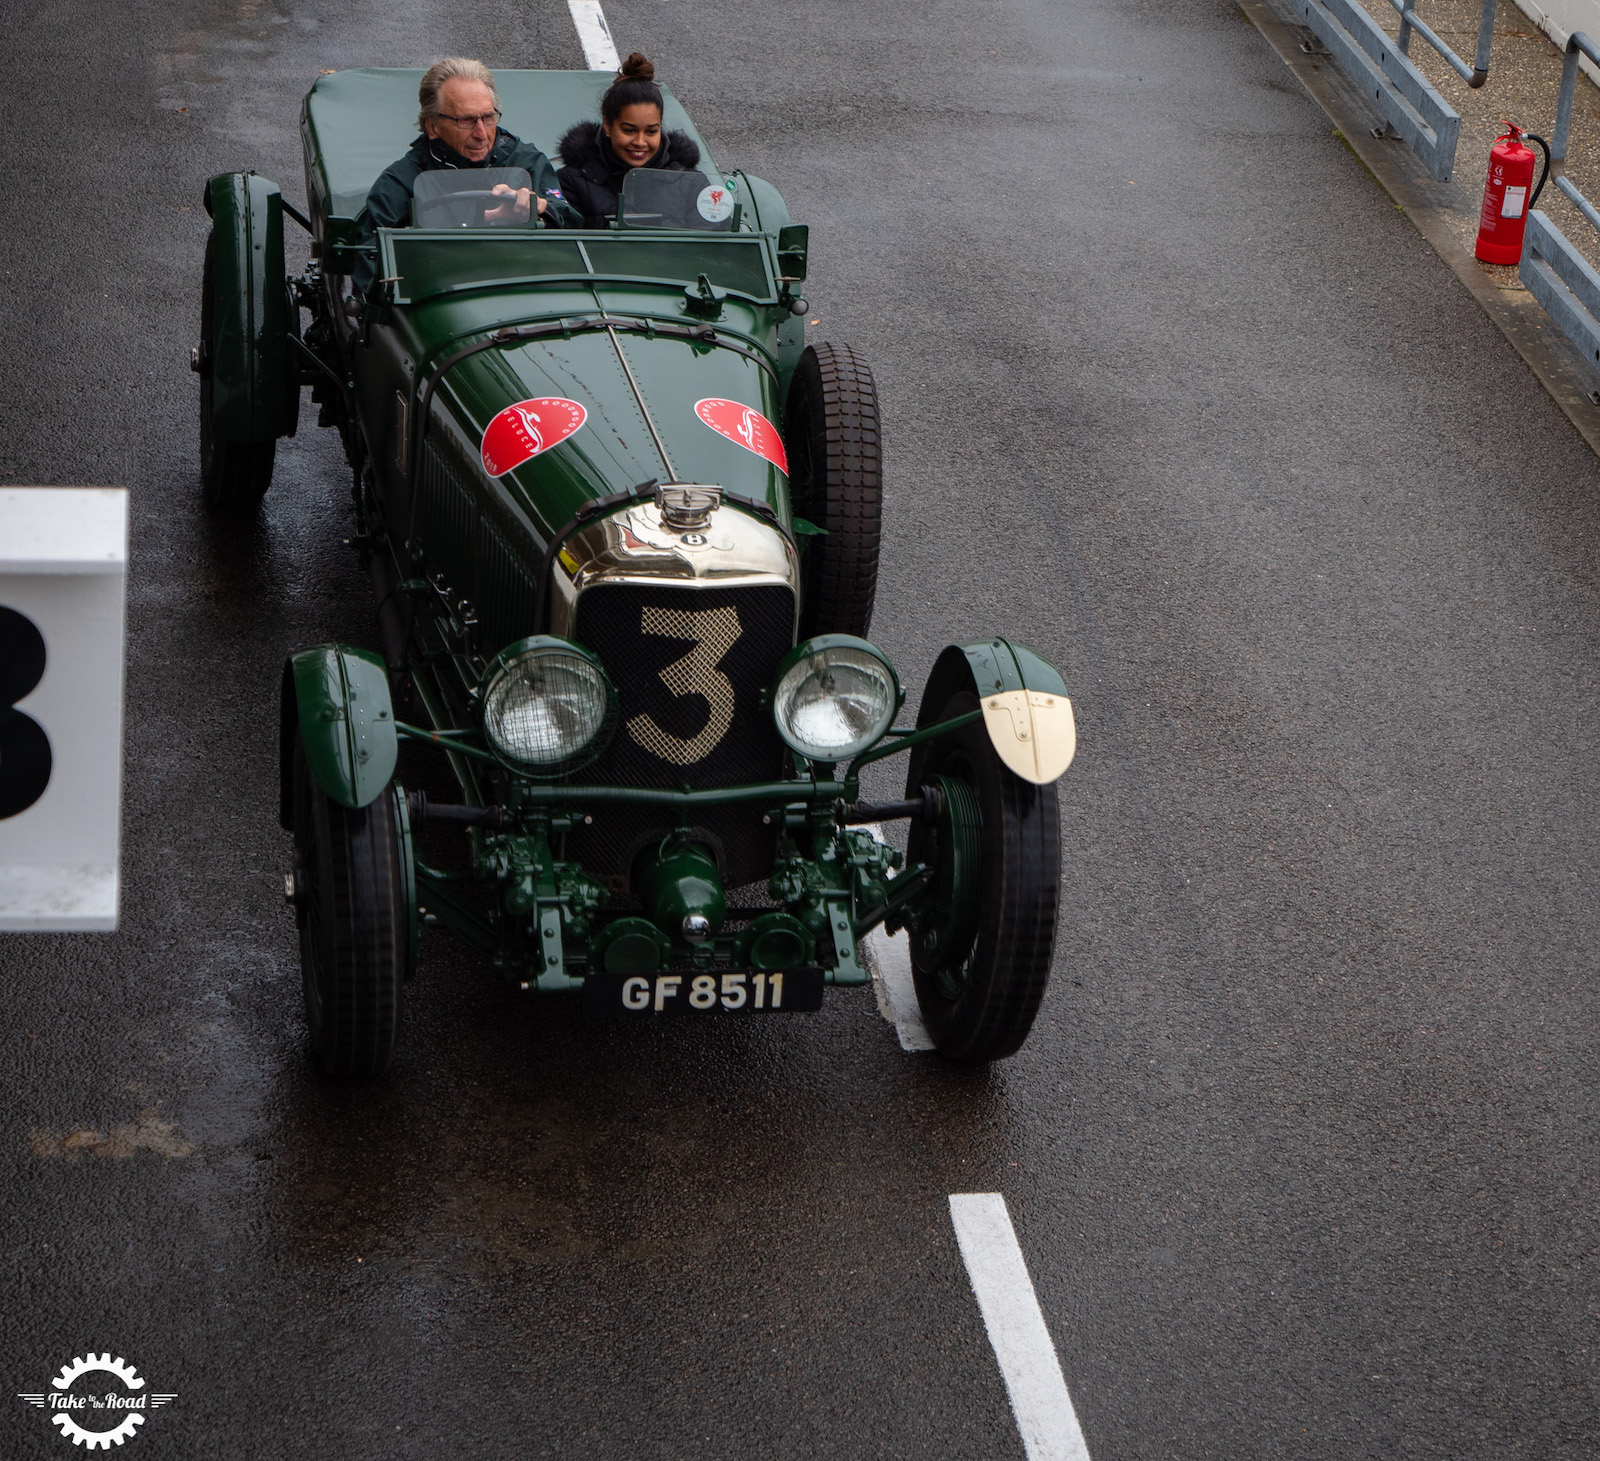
x: 477, y: 562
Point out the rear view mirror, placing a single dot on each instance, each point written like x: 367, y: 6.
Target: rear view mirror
x: 792, y: 244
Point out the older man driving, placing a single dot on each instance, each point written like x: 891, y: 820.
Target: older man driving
x: 460, y: 123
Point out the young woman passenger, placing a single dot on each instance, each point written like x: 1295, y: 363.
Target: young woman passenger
x: 599, y: 154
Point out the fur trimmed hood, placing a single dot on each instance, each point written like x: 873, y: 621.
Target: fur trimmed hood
x: 586, y: 148
x: 594, y: 174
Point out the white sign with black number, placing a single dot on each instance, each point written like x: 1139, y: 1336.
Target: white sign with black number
x: 63, y: 575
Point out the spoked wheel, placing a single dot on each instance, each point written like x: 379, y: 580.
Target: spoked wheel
x: 350, y: 881
x: 234, y: 475
x: 836, y: 482
x: 981, y: 953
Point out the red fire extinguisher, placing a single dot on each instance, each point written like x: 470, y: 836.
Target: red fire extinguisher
x: 1506, y: 203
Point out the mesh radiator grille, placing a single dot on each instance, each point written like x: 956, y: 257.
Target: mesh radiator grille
x: 689, y: 666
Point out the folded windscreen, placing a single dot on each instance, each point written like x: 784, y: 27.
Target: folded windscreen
x: 466, y: 198
x: 655, y: 199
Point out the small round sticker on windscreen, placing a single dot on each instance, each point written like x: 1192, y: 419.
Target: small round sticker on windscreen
x: 715, y: 203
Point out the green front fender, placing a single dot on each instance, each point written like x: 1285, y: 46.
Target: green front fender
x: 990, y: 666
x: 255, y: 381
x: 337, y: 698
x: 998, y: 668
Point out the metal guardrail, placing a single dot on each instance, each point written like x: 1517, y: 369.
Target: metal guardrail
x: 1562, y: 281
x: 1404, y: 96
x: 1554, y: 272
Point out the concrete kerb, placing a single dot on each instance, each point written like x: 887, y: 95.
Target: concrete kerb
x: 1564, y: 373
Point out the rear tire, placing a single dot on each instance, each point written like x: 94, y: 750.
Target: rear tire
x: 981, y: 955
x: 354, y: 917
x: 831, y: 435
x: 234, y: 475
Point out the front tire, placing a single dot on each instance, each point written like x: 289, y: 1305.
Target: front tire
x: 350, y: 893
x: 234, y: 475
x: 831, y: 435
x: 981, y: 952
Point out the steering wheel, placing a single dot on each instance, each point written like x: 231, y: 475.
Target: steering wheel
x: 510, y: 197
x: 481, y: 202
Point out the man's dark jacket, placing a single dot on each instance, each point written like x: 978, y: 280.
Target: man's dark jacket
x: 389, y: 202
x: 592, y: 177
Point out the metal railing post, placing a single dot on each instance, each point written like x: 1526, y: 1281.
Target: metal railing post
x: 1474, y: 75
x: 1578, y: 44
x: 1480, y: 67
x: 1569, y: 87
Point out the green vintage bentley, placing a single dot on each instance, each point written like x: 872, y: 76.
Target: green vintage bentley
x: 622, y: 527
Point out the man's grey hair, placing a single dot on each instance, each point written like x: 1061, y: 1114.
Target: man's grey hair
x: 452, y: 68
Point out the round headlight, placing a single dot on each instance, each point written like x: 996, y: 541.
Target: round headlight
x: 834, y: 697
x: 546, y: 705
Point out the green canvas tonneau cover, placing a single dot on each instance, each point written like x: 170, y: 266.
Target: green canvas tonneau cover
x: 355, y: 123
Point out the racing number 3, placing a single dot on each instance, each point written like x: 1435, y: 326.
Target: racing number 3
x: 24, y: 747
x: 714, y: 632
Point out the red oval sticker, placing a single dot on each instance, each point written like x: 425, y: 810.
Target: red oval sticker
x: 521, y: 432
x: 745, y: 425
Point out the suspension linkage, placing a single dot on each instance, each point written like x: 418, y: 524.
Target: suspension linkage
x: 422, y: 810
x: 924, y: 808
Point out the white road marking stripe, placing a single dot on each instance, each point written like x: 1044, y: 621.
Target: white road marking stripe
x: 1010, y: 1308
x: 890, y: 962
x: 594, y: 35
x: 890, y: 959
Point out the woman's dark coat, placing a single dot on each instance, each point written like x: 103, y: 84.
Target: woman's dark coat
x: 591, y: 181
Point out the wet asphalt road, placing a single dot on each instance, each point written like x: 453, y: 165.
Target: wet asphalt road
x: 1303, y: 1152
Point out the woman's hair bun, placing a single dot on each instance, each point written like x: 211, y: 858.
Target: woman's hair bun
x: 635, y: 86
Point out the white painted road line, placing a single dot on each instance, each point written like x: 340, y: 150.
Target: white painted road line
x: 1010, y: 1308
x: 594, y: 35
x: 890, y: 959
x: 890, y: 962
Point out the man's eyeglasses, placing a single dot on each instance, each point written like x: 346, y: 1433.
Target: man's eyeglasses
x: 489, y: 119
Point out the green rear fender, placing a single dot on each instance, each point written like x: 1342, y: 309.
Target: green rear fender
x: 255, y: 379
x: 338, y: 699
x: 1026, y: 710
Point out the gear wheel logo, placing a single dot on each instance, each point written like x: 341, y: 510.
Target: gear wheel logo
x: 73, y: 1404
